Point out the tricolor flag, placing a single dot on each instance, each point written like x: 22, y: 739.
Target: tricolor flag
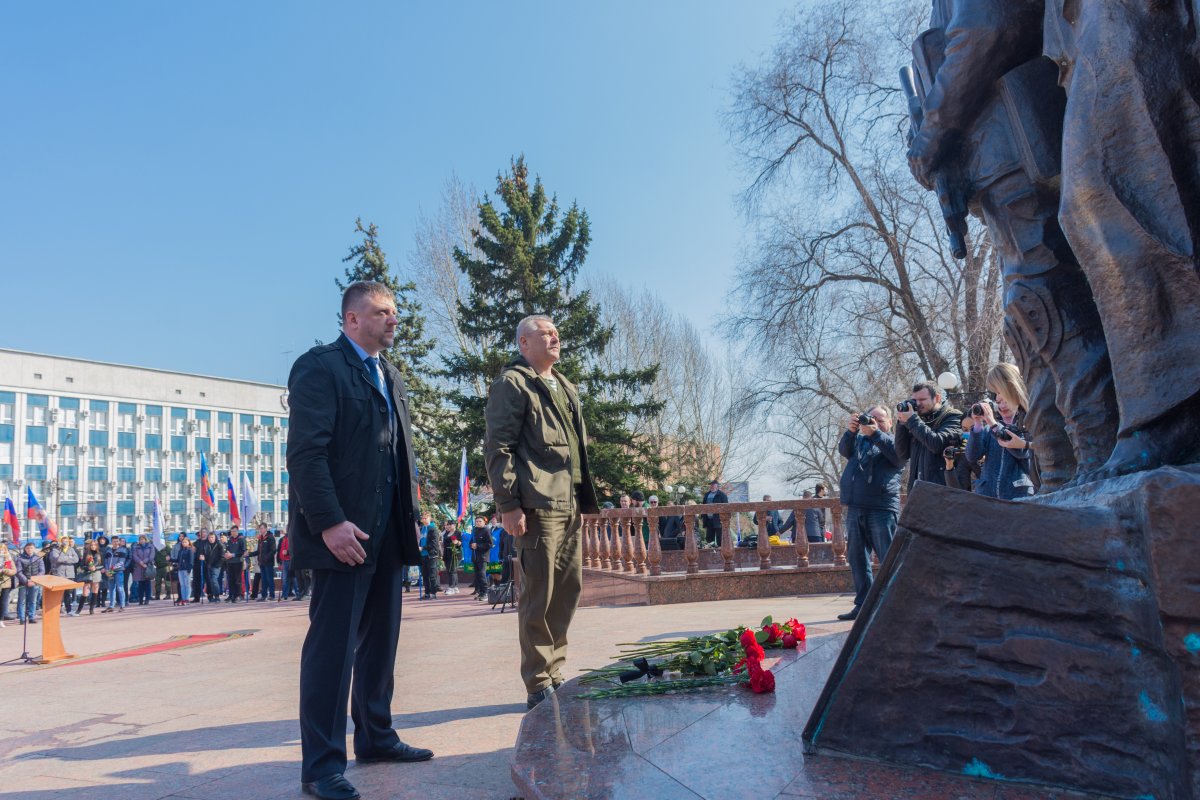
x: 156, y: 531
x: 233, y: 503
x: 250, y: 506
x: 34, y: 511
x: 10, y: 519
x: 206, y: 492
x: 464, y: 487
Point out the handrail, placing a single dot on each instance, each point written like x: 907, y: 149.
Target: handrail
x: 610, y: 542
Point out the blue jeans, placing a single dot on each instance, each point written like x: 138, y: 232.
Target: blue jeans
x: 214, y: 583
x: 27, y: 601
x: 185, y: 584
x: 116, y: 588
x: 285, y: 590
x: 268, y: 581
x: 867, y: 529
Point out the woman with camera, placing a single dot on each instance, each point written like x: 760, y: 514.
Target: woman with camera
x: 998, y: 439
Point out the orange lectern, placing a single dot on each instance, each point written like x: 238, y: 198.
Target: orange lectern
x: 52, y: 594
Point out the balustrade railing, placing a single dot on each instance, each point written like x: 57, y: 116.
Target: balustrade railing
x: 616, y: 539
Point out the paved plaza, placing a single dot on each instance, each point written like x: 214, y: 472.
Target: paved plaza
x: 218, y: 720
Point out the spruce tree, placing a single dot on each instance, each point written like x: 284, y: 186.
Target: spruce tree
x: 410, y: 351
x: 531, y: 254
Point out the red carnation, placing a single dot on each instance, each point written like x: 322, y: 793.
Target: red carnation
x: 798, y: 629
x: 755, y: 652
x: 774, y: 632
x: 762, y: 680
x: 790, y: 641
x: 747, y: 638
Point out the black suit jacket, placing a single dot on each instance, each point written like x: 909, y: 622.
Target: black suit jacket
x: 339, y: 447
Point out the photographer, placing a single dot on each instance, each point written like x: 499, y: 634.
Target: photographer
x: 960, y: 472
x: 927, y: 427
x: 1003, y: 448
x: 870, y: 490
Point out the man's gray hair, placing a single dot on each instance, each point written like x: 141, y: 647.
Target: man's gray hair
x: 526, y: 325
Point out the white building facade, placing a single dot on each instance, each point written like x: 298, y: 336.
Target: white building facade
x: 95, y: 440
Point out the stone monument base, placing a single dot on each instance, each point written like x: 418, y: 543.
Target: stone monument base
x: 1053, y: 641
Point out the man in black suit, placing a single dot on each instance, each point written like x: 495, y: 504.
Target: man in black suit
x: 353, y: 502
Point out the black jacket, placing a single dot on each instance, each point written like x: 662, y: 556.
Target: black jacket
x: 266, y: 551
x: 713, y: 520
x: 871, y: 478
x: 237, y: 549
x: 338, y: 457
x: 482, y: 539
x: 921, y: 441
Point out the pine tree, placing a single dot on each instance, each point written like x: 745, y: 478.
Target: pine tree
x: 409, y: 352
x: 531, y: 257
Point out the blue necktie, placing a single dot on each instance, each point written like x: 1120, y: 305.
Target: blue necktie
x: 377, y: 375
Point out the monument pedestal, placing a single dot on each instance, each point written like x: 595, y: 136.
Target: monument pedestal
x: 53, y: 588
x: 1052, y: 641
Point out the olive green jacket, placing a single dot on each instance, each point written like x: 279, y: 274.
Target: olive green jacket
x: 526, y: 448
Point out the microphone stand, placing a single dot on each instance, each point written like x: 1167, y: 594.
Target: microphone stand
x: 24, y: 658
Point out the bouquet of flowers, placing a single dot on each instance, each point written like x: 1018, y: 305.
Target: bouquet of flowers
x: 718, y: 659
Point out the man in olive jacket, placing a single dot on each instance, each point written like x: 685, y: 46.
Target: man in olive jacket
x: 353, y: 500
x: 536, y: 453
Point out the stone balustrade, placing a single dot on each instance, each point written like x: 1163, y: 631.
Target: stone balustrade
x: 613, y: 539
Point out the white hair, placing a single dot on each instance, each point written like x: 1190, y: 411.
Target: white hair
x: 526, y: 325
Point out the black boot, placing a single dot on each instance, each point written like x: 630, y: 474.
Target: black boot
x: 79, y: 605
x: 92, y: 603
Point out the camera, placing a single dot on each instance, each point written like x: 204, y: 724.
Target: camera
x: 977, y: 409
x: 906, y: 405
x: 952, y: 453
x: 866, y: 419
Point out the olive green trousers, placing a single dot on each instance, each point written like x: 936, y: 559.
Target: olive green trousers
x: 551, y: 560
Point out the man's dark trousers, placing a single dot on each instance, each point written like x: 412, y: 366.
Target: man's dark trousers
x: 867, y: 529
x: 358, y: 613
x: 480, y: 564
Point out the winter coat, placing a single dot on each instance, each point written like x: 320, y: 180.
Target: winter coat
x: 116, y: 559
x: 237, y: 549
x: 91, y: 563
x: 871, y: 478
x: 8, y: 576
x: 452, y: 550
x: 63, y: 561
x: 186, y: 560
x: 266, y: 551
x: 141, y: 561
x: 433, y: 543
x: 29, y: 567
x: 922, y: 441
x: 1005, y: 472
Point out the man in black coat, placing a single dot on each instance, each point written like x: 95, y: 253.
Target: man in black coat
x: 928, y: 425
x: 712, y: 522
x: 353, y: 498
x: 481, y: 548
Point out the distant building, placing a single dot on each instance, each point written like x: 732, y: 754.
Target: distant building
x: 93, y: 440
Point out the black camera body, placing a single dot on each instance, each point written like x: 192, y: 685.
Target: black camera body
x: 866, y: 419
x: 952, y: 453
x: 977, y: 409
x: 906, y: 405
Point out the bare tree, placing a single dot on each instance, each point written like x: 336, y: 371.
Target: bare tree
x: 704, y: 428
x: 849, y: 292
x: 441, y: 285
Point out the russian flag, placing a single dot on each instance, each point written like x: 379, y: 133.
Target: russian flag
x: 233, y: 504
x: 464, y: 487
x: 206, y: 492
x: 156, y: 520
x: 34, y: 511
x: 10, y: 519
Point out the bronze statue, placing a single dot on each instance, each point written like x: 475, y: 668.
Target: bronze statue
x: 1131, y: 207
x: 993, y: 119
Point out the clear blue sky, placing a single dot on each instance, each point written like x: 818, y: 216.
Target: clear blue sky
x: 180, y: 180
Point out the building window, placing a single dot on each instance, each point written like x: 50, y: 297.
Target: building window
x: 268, y: 462
x: 125, y: 490
x: 178, y: 460
x: 247, y: 430
x: 153, y: 459
x: 35, y: 415
x: 124, y: 457
x: 70, y: 417
x: 153, y: 425
x: 125, y: 422
x: 96, y: 457
x: 177, y: 491
x: 6, y: 413
x: 97, y: 490
x: 202, y: 428
x: 35, y: 454
x: 70, y: 379
x: 124, y: 525
x: 68, y: 456
x: 6, y: 452
x: 37, y: 376
x: 66, y: 490
x: 99, y: 420
x: 225, y: 429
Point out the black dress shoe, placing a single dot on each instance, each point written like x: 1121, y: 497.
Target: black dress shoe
x: 399, y: 752
x: 852, y: 614
x: 331, y: 787
x: 537, y: 697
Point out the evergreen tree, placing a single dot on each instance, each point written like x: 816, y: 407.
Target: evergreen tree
x: 531, y: 254
x: 409, y: 352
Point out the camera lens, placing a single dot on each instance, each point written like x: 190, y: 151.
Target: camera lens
x: 865, y: 419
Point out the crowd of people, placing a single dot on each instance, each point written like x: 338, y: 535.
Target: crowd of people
x: 115, y: 573
x: 989, y: 453
x: 445, y: 549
